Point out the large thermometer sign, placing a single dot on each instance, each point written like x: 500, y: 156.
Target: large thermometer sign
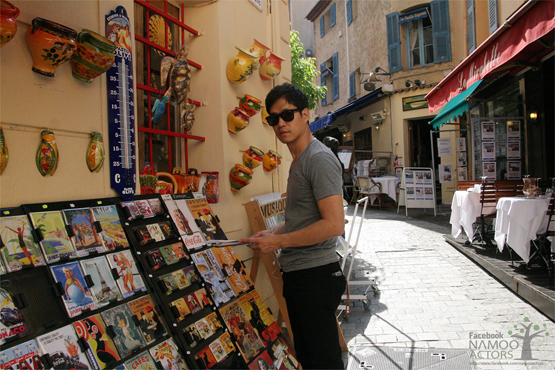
x: 121, y: 107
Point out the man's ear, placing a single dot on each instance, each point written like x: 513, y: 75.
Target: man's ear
x: 306, y: 115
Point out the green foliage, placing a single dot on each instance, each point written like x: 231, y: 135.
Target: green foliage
x: 304, y: 72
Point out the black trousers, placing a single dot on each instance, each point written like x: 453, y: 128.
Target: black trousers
x: 312, y: 296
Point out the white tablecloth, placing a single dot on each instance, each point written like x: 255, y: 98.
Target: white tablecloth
x: 465, y: 209
x: 389, y: 185
x: 518, y: 221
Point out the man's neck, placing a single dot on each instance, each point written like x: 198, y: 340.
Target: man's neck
x: 297, y: 148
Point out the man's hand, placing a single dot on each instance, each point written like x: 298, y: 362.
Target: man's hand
x: 265, y: 243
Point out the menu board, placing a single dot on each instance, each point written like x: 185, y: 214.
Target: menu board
x: 419, y: 185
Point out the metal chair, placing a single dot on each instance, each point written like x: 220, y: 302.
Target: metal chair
x: 543, y: 252
x: 488, y: 199
x: 368, y: 187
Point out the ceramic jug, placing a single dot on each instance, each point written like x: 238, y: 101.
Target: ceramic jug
x: 51, y: 45
x: 250, y: 105
x: 94, y: 56
x: 271, y: 161
x: 240, y: 67
x: 8, y: 27
x: 239, y: 177
x: 271, y: 67
x: 259, y: 50
x: 237, y: 120
x: 253, y: 157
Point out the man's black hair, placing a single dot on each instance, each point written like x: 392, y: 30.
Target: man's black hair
x: 332, y: 143
x: 292, y: 94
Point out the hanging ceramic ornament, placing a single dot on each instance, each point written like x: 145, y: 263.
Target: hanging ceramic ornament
x: 240, y: 67
x: 47, y: 154
x: 94, y: 56
x: 271, y: 160
x: 250, y: 105
x: 8, y: 26
x: 271, y: 67
x: 3, y: 151
x: 95, y: 152
x: 239, y: 177
x: 237, y: 120
x: 259, y: 50
x: 253, y: 157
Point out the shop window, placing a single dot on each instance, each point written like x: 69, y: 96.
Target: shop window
x: 158, y: 32
x: 426, y: 32
x: 329, y: 77
x: 327, y: 20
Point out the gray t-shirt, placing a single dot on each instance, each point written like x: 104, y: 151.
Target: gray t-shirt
x: 315, y: 175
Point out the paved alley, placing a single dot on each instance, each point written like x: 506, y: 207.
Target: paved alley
x: 431, y: 296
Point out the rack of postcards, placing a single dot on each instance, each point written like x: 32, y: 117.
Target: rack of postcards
x: 108, y: 284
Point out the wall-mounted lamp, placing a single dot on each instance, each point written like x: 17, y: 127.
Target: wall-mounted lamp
x: 382, y: 73
x: 409, y: 83
x: 533, y: 115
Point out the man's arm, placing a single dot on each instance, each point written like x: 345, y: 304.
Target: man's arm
x: 332, y: 224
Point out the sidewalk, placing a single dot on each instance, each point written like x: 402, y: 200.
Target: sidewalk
x: 431, y: 296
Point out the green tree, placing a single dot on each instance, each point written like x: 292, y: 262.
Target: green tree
x: 304, y: 72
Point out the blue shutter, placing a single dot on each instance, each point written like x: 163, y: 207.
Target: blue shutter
x: 323, y: 81
x: 332, y: 15
x: 393, y: 42
x: 441, y: 31
x: 470, y: 26
x: 492, y: 13
x: 352, y: 86
x: 322, y: 27
x: 349, y: 11
x: 335, y: 79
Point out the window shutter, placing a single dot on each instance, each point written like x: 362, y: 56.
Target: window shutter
x: 441, y: 31
x: 393, y: 42
x: 322, y: 27
x: 352, y: 86
x: 332, y: 15
x: 492, y: 12
x: 323, y: 81
x: 335, y: 79
x: 470, y: 26
x: 349, y: 11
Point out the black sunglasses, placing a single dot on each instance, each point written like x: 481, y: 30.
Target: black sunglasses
x: 287, y: 115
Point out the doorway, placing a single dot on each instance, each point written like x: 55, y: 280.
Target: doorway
x: 420, y: 146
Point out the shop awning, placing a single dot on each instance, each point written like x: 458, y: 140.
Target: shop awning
x: 454, y: 108
x: 354, y: 106
x: 521, y: 42
x: 321, y: 123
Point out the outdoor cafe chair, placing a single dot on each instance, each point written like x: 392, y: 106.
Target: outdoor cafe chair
x: 544, y: 251
x: 368, y: 187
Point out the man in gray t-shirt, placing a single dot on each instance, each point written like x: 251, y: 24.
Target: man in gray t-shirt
x: 312, y: 279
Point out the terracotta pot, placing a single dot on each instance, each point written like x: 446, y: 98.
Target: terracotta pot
x: 253, y: 157
x: 271, y: 67
x: 239, y: 177
x: 250, y: 105
x: 94, y: 56
x: 271, y: 161
x: 237, y: 120
x: 51, y: 45
x: 8, y: 27
x: 259, y: 50
x: 240, y: 67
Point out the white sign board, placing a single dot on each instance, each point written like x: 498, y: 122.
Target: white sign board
x: 418, y: 186
x: 444, y: 147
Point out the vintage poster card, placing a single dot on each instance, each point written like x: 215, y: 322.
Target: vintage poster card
x: 147, y: 318
x: 25, y: 356
x: 134, y: 211
x: 513, y: 149
x: 205, y: 219
x: 144, y: 208
x: 488, y: 130
x: 180, y: 279
x: 156, y: 206
x: 56, y: 242
x: 155, y: 232
x: 191, y: 335
x: 260, y: 316
x: 128, y: 338
x: 112, y: 231
x: 188, y: 229
x: 227, y: 343
x: 205, y: 358
x: 20, y: 249
x: 283, y: 353
x: 182, y: 308
x: 513, y: 170
x: 13, y: 326
x: 155, y: 258
x: 102, y: 351
x: 513, y: 130
x: 214, y: 322
x: 169, y: 255
x: 104, y: 290
x: 233, y: 269
x: 166, y: 354
x: 130, y: 281
x: 218, y: 350
x: 169, y: 283
x: 85, y: 238
x: 264, y: 361
x: 212, y: 274
x: 488, y: 151
x: 77, y: 296
x: 63, y: 349
x: 204, y: 329
x: 142, y: 361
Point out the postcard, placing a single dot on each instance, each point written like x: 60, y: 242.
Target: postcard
x: 104, y: 290
x: 128, y: 337
x: 85, y: 238
x: 62, y: 347
x: 150, y: 324
x: 12, y: 324
x: 130, y: 281
x: 101, y: 350
x: 77, y: 296
x: 112, y: 231
x: 56, y: 243
x: 20, y: 249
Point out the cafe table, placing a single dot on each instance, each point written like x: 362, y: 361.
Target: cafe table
x: 389, y: 185
x: 465, y: 209
x: 518, y: 221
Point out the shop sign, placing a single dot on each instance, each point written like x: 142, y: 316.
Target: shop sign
x: 415, y: 102
x: 257, y: 3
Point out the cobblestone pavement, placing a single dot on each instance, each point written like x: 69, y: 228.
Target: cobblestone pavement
x: 432, y: 296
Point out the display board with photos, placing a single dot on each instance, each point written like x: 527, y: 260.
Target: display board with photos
x: 419, y: 185
x: 498, y: 148
x: 93, y: 284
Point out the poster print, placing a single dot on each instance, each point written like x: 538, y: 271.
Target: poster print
x: 233, y: 269
x: 191, y: 335
x: 166, y: 353
x: 180, y: 279
x: 227, y: 343
x: 188, y: 229
x: 168, y: 254
x: 178, y: 251
x: 264, y: 361
x: 217, y: 349
x: 260, y: 316
x: 147, y: 318
x: 192, y: 303
x: 55, y: 243
x: 210, y: 271
x: 207, y: 221
x: 513, y: 149
x: 489, y: 170
x: 513, y: 130
x: 461, y: 144
x: 205, y: 358
x: 85, y: 238
x: 513, y: 170
x: 12, y: 323
x: 144, y: 208
x: 134, y: 212
x: 182, y: 309
x: 202, y: 298
x: 488, y: 130
x: 25, y: 356
x: 63, y: 349
x: 128, y: 337
x: 129, y: 281
x: 156, y: 206
x: 155, y: 258
x: 112, y: 231
x: 488, y: 151
x: 169, y: 283
x: 20, y: 249
x: 247, y: 339
x: 204, y: 329
x: 167, y: 230
x: 77, y: 296
x: 284, y: 357
x: 104, y: 290
x: 191, y: 274
x: 155, y: 232
x: 214, y: 322
x: 102, y: 351
x: 142, y: 361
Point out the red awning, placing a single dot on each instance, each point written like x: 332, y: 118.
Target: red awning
x: 523, y: 39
